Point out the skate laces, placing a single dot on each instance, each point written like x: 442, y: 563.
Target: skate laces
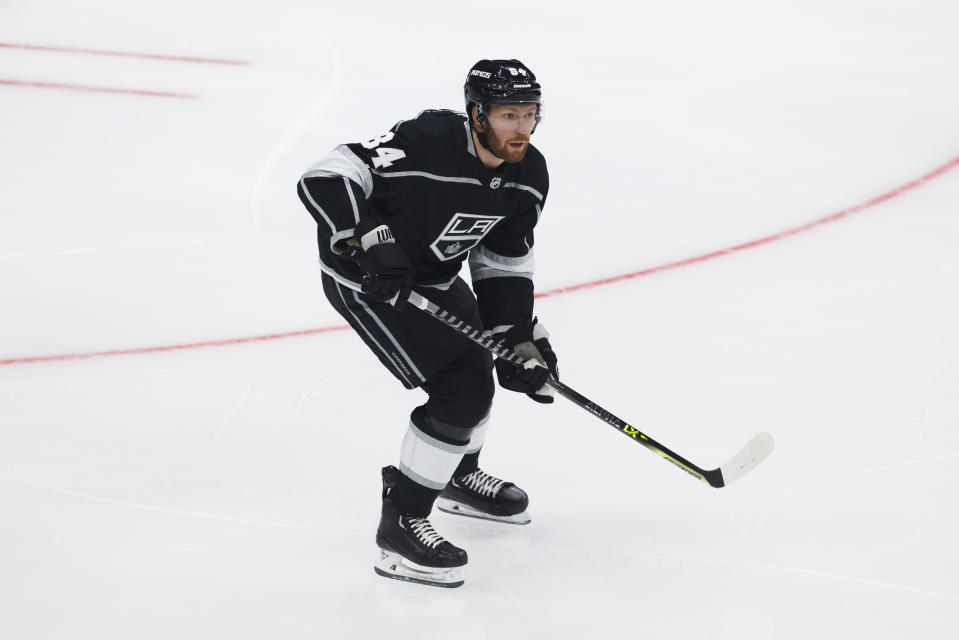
x: 423, y: 530
x: 482, y: 483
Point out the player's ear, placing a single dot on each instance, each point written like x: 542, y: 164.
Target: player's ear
x: 474, y: 114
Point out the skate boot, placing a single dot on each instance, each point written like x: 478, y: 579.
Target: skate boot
x: 480, y: 495
x: 410, y: 549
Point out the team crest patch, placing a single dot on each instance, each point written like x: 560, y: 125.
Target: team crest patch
x: 495, y: 182
x: 462, y: 233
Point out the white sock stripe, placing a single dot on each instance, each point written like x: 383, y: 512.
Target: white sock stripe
x: 479, y: 436
x: 418, y: 479
x: 427, y: 460
x: 459, y: 449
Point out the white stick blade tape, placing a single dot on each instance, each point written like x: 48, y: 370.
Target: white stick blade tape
x: 417, y: 300
x: 755, y: 451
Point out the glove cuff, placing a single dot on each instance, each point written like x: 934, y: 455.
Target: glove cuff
x: 381, y: 234
x: 539, y: 331
x: 514, y: 334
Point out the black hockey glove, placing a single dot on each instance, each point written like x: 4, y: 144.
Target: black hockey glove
x: 386, y: 269
x: 530, y: 342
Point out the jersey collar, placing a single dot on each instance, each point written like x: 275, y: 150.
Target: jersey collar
x: 469, y: 140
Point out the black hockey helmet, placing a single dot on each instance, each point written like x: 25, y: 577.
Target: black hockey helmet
x: 500, y: 82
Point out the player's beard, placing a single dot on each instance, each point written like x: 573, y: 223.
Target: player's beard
x: 501, y: 146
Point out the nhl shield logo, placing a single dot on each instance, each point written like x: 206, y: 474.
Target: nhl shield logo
x: 462, y: 233
x: 495, y: 182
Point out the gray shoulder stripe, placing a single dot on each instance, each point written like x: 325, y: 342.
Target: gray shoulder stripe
x: 516, y: 185
x: 343, y: 162
x: 423, y: 174
x: 362, y: 171
x: 320, y: 173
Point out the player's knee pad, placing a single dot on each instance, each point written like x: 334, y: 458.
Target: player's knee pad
x: 442, y: 431
x: 430, y: 453
x: 462, y: 393
x: 433, y: 427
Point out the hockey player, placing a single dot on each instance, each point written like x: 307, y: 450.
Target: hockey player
x: 406, y: 209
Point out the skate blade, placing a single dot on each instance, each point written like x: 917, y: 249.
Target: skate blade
x: 393, y: 565
x: 446, y: 505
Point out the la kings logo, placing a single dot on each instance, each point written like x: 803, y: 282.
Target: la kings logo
x: 462, y: 233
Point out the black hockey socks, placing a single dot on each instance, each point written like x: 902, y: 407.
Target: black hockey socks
x: 468, y: 464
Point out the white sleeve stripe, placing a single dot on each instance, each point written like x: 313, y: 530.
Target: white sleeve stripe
x: 349, y: 192
x: 516, y: 185
x: 424, y: 174
x: 481, y: 256
x: 484, y: 273
x: 340, y: 235
x: 319, y: 209
x: 330, y: 271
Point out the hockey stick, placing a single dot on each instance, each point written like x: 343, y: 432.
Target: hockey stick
x: 755, y: 451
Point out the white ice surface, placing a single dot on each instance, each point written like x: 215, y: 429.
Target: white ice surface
x: 233, y: 492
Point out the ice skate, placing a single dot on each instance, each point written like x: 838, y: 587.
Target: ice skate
x: 411, y: 550
x: 480, y: 495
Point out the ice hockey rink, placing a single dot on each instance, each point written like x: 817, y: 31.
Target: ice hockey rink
x: 190, y: 442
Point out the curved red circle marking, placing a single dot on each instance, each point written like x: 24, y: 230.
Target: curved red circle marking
x: 839, y: 215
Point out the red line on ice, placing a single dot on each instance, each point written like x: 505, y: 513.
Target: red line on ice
x: 839, y: 215
x: 174, y: 347
x: 81, y: 87
x: 122, y: 54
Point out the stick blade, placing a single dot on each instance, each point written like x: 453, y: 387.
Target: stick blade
x: 748, y: 458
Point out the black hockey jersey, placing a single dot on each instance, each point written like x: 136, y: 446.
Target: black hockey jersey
x: 424, y: 179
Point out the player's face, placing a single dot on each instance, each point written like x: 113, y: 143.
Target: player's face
x: 508, y: 129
